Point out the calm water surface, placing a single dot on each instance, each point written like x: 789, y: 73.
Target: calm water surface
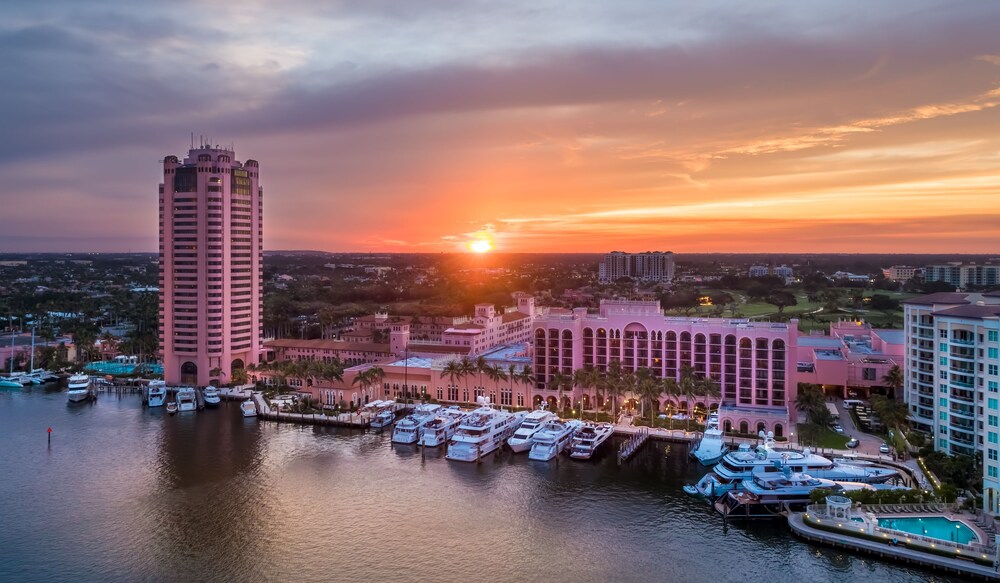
x: 127, y: 494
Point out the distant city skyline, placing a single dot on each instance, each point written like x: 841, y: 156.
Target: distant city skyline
x: 539, y: 127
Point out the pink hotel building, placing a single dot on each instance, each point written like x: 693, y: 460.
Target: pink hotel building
x: 753, y: 362
x: 210, y: 266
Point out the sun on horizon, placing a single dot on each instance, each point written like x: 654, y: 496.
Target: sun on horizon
x: 480, y: 246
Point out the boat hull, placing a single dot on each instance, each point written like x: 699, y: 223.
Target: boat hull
x: 470, y: 452
x: 520, y: 445
x: 78, y: 396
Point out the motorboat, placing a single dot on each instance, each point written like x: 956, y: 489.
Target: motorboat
x: 770, y: 495
x: 248, y: 408
x: 212, y: 398
x: 712, y: 446
x: 156, y: 393
x: 411, y: 428
x: 10, y: 383
x: 441, y: 428
x: 186, y: 400
x: 385, y: 415
x: 79, y: 388
x: 552, y: 438
x: 737, y: 466
x: 172, y: 407
x: 589, y: 438
x: 482, y: 432
x: 533, y: 422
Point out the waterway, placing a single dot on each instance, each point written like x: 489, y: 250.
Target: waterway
x: 131, y: 494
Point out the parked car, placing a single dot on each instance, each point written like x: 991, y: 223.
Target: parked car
x: 884, y: 448
x: 853, y: 443
x: 838, y: 428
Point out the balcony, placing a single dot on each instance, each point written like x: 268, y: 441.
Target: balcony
x: 963, y: 341
x: 967, y: 412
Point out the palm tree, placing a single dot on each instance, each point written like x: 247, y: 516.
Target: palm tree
x: 649, y: 390
x: 894, y: 380
x: 525, y: 376
x: 670, y: 387
x: 375, y: 375
x: 468, y: 368
x: 688, y: 387
x: 481, y: 366
x: 629, y: 386
x: 560, y: 382
x: 811, y: 400
x: 364, y: 381
x: 613, y: 385
x: 453, y: 370
x: 709, y: 389
x: 585, y: 378
x: 496, y: 374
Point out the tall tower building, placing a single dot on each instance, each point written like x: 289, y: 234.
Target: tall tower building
x: 210, y: 266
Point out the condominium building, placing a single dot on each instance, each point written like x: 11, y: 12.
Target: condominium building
x: 752, y: 362
x: 649, y: 266
x: 763, y: 270
x: 952, y: 377
x: 964, y: 275
x: 210, y: 266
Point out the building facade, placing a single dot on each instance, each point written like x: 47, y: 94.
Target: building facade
x: 854, y: 357
x: 901, y: 272
x: 210, y: 266
x: 952, y: 382
x: 753, y: 363
x: 650, y: 266
x: 964, y: 275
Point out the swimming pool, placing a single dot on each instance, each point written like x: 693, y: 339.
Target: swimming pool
x: 937, y: 527
x: 111, y: 367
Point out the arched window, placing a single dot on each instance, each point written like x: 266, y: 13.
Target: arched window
x: 189, y: 373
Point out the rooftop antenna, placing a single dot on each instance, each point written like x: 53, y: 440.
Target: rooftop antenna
x: 192, y: 140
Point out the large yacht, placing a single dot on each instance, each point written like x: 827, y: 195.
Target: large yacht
x: 588, y: 439
x: 768, y: 495
x: 711, y: 447
x: 186, y: 400
x: 411, y: 428
x: 483, y: 431
x: 156, y: 393
x: 212, y: 398
x: 384, y: 415
x: 442, y: 427
x: 739, y: 465
x: 552, y: 438
x: 521, y: 440
x: 79, y: 388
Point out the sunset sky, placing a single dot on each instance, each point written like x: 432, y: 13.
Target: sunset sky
x: 420, y: 125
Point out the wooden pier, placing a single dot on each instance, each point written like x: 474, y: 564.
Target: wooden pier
x: 633, y: 444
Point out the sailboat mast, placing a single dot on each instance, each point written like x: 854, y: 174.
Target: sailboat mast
x: 32, y: 368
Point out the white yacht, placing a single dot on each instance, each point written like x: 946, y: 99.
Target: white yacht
x: 442, y: 427
x: 483, y: 431
x: 411, y: 428
x: 739, y: 465
x: 212, y: 398
x: 186, y: 400
x: 711, y: 447
x: 385, y: 415
x: 589, y: 438
x: 156, y: 393
x: 248, y: 408
x: 769, y: 495
x: 79, y: 388
x: 552, y: 438
x: 521, y: 440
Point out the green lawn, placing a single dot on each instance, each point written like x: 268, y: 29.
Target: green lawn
x: 815, y: 436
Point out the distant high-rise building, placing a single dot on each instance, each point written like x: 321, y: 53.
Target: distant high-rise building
x: 964, y: 275
x: 649, y: 266
x: 211, y: 266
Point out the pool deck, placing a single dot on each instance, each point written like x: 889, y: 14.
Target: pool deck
x: 965, y: 568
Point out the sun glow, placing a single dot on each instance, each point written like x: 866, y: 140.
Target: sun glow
x: 480, y: 246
